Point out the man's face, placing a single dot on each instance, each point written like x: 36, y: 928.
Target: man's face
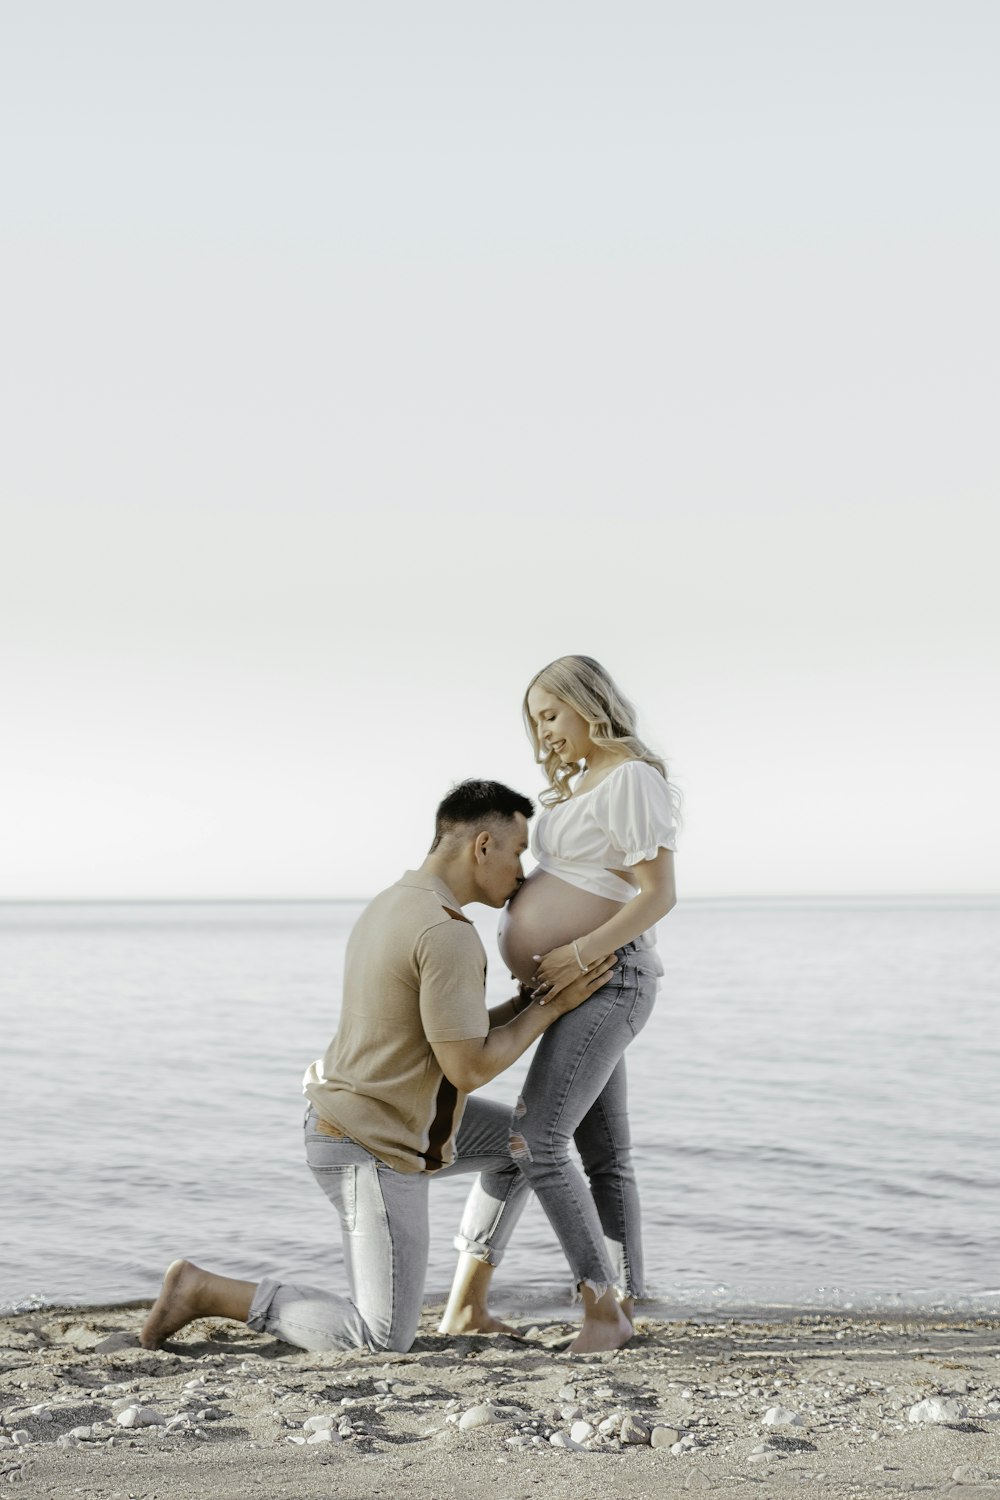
x: 500, y: 872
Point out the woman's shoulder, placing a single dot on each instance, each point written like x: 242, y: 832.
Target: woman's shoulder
x: 631, y: 772
x: 634, y: 789
x: 636, y: 805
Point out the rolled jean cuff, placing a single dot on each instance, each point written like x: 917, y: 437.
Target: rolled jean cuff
x: 261, y: 1304
x: 479, y: 1250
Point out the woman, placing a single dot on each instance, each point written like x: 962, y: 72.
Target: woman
x: 605, y: 876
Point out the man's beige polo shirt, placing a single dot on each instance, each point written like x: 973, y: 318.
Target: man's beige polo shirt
x: 415, y: 973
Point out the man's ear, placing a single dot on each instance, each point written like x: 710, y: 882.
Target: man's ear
x: 481, y: 845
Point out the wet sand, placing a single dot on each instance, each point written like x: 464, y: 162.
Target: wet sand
x: 817, y: 1405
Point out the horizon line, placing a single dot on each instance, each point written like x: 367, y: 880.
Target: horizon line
x: 834, y: 895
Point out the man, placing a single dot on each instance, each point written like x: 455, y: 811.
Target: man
x: 388, y: 1101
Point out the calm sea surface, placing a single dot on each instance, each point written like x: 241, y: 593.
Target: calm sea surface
x: 814, y: 1104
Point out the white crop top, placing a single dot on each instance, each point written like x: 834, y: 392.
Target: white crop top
x: 626, y: 818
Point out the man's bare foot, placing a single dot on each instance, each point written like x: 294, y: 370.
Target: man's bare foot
x: 189, y: 1292
x: 610, y: 1331
x: 474, y: 1320
x: 177, y: 1304
x: 627, y: 1305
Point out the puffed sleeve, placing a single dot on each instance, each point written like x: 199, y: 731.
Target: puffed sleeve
x: 633, y: 807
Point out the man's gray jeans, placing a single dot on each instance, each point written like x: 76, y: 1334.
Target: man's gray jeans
x: 384, y: 1222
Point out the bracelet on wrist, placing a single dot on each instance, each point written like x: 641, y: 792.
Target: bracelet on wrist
x: 576, y: 953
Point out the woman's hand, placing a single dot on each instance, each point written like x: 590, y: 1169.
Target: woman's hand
x: 559, y: 968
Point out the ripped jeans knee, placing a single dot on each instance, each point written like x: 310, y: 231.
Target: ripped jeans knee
x: 519, y: 1148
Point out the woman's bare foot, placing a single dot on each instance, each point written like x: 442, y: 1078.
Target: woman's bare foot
x: 605, y: 1324
x: 187, y: 1293
x: 597, y: 1334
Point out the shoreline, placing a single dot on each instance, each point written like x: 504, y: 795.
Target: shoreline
x: 708, y: 1303
x: 650, y: 1311
x: 811, y: 1403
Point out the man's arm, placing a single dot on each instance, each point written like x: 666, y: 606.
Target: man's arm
x: 500, y: 1014
x: 470, y: 1064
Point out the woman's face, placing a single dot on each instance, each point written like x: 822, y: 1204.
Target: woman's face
x: 559, y: 727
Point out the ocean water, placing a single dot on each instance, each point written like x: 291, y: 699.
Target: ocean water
x: 814, y: 1104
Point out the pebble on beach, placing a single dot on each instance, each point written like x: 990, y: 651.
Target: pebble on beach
x: 781, y: 1416
x: 140, y: 1416
x: 324, y: 1423
x: 634, y: 1431
x: 563, y: 1440
x: 937, y: 1409
x: 480, y: 1416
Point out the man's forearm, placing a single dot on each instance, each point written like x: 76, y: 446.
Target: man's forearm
x: 469, y: 1063
x: 508, y: 1039
x: 500, y: 1014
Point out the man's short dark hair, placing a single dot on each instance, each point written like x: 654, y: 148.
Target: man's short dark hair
x: 478, y: 802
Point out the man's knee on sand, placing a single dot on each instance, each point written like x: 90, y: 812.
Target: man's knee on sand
x: 395, y: 1343
x: 398, y: 1336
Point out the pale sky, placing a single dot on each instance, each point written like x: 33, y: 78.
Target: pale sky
x: 359, y: 359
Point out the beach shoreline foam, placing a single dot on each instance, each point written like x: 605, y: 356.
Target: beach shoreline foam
x: 818, y: 1404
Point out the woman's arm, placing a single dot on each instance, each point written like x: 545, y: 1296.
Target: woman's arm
x: 657, y: 895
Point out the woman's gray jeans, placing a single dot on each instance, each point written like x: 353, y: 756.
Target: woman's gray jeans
x: 576, y: 1094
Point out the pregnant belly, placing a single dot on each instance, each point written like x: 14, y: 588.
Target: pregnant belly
x: 545, y: 913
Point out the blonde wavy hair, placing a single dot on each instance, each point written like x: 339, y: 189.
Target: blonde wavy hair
x: 588, y: 687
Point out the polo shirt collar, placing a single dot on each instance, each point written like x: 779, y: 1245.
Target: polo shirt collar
x: 426, y: 882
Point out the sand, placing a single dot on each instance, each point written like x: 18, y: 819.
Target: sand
x: 221, y: 1412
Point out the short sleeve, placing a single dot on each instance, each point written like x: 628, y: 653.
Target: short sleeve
x: 634, y: 809
x: 451, y: 968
